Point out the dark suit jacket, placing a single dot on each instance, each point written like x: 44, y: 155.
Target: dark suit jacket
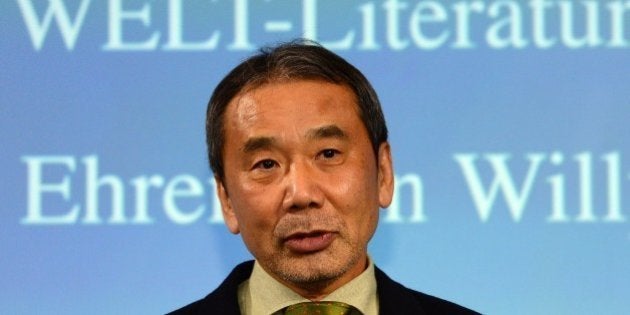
x: 393, y: 298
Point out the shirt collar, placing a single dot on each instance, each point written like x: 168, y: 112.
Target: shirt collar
x: 266, y: 295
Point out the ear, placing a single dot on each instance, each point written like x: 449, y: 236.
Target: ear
x: 385, y: 175
x: 226, y: 207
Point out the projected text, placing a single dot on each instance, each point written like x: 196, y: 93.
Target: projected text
x: 390, y: 24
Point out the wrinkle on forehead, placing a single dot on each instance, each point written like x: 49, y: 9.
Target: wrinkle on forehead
x: 248, y: 110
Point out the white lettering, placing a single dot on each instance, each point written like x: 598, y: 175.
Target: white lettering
x: 429, y: 25
x: 69, y: 29
x: 436, y: 14
x: 539, y: 25
x: 485, y: 199
x: 513, y: 22
x: 37, y: 187
x: 463, y: 11
x: 591, y: 21
x: 182, y: 196
x: 416, y: 192
x: 93, y: 184
x: 241, y: 27
x: 309, y: 12
x: 618, y: 11
x: 182, y: 186
x: 116, y: 18
x: 176, y: 30
x: 585, y: 162
x: 557, y: 182
x: 368, y: 15
x: 613, y: 162
x: 142, y: 185
x: 393, y: 37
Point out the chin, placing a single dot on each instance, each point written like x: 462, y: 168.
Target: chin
x: 319, y: 269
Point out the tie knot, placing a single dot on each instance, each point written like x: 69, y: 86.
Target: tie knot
x: 320, y: 308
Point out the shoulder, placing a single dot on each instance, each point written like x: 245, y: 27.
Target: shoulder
x: 224, y: 299
x: 394, y: 298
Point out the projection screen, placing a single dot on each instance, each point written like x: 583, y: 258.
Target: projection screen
x: 509, y: 124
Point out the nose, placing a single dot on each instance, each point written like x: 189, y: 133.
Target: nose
x: 302, y: 187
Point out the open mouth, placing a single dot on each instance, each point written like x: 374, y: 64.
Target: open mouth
x: 304, y: 243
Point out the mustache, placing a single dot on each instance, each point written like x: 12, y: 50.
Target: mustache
x: 291, y: 224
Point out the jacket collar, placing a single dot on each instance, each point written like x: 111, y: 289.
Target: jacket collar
x: 393, y: 297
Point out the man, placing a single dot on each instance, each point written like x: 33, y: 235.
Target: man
x: 298, y: 145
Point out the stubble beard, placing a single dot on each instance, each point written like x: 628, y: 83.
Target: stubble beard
x: 316, y: 271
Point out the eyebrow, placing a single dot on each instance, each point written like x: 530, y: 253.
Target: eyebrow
x: 329, y: 131
x: 262, y: 143
x: 258, y: 143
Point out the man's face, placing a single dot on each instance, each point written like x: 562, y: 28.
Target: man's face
x: 302, y: 184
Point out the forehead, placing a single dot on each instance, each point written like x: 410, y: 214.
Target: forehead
x: 285, y: 106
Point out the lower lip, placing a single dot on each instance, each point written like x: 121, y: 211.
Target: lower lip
x: 310, y: 243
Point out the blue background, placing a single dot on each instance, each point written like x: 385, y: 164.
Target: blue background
x: 142, y: 113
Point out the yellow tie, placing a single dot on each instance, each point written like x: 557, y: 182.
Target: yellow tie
x: 321, y: 308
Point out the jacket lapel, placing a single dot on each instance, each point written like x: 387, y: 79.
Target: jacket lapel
x: 393, y: 298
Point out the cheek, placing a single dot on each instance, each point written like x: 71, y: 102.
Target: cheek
x: 364, y: 204
x: 255, y: 208
x: 356, y: 197
x: 364, y: 184
x: 256, y: 223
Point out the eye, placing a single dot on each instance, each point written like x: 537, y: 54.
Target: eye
x: 265, y: 164
x: 329, y: 153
